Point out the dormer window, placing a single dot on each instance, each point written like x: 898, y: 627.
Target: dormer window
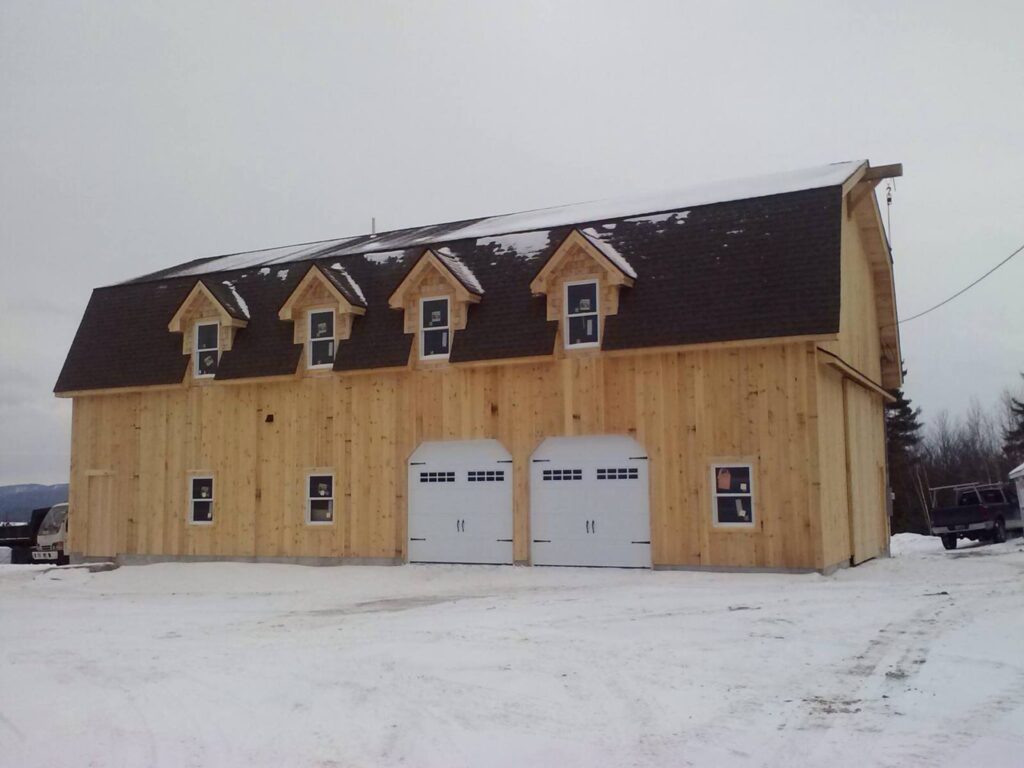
x: 321, y: 309
x: 321, y: 338
x: 582, y: 316
x: 435, y: 332
x: 581, y: 282
x: 207, y: 348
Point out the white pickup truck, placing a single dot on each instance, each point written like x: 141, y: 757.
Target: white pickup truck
x: 52, y: 537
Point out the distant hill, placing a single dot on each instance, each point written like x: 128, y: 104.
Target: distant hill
x: 17, y: 501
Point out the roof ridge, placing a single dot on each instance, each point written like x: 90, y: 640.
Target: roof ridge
x: 532, y: 220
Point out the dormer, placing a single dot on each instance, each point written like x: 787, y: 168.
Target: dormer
x: 581, y: 281
x: 322, y: 308
x: 435, y: 296
x: 208, y: 319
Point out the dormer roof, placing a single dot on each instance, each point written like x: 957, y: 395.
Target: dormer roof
x: 219, y: 295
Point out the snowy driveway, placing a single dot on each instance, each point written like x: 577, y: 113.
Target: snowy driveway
x: 917, y: 660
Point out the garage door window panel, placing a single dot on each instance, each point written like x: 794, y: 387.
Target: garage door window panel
x: 733, y: 495
x: 320, y: 502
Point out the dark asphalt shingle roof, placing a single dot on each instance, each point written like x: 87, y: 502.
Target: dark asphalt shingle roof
x: 745, y: 269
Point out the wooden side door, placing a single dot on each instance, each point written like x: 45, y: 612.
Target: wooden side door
x: 100, y: 516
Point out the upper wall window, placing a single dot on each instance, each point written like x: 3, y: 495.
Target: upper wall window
x: 207, y: 348
x: 200, y: 500
x: 320, y: 508
x: 732, y: 494
x: 435, y: 329
x: 321, y: 338
x: 581, y: 314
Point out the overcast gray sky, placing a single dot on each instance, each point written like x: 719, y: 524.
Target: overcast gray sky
x: 140, y: 134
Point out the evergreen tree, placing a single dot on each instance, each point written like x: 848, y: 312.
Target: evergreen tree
x: 903, y: 436
x: 1013, y: 434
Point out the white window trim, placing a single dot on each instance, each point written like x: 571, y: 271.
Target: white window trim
x: 446, y: 327
x: 212, y: 500
x: 309, y: 336
x: 196, y: 350
x: 310, y: 499
x: 596, y: 313
x: 715, y: 495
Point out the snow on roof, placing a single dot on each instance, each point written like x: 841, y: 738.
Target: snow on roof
x: 533, y: 222
x: 281, y: 254
x: 238, y: 299
x: 599, y: 241
x: 677, y: 217
x: 381, y: 258
x: 718, y: 192
x: 460, y: 270
x: 525, y: 245
x: 355, y: 286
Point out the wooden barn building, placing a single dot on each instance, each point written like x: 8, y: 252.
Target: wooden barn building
x: 688, y: 380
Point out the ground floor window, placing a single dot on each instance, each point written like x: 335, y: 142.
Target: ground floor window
x: 732, y: 494
x: 201, y: 500
x: 320, y: 506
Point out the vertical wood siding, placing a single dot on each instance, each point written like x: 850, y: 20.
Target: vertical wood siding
x: 689, y: 409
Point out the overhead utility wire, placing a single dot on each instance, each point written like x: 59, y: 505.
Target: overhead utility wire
x: 963, y: 290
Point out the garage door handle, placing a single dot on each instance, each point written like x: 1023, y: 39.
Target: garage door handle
x: 593, y: 526
x: 413, y: 538
x: 588, y: 526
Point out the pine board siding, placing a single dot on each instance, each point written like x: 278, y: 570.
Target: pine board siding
x: 687, y: 409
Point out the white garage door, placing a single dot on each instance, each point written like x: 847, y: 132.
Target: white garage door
x: 460, y: 502
x: 589, y: 502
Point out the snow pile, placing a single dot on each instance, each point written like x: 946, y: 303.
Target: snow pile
x: 351, y: 281
x: 282, y: 274
x: 911, y: 544
x: 599, y: 240
x: 459, y: 269
x: 237, y: 297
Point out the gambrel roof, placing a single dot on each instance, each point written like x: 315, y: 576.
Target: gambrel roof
x: 750, y: 260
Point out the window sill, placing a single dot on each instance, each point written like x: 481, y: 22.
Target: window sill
x: 582, y: 350
x: 434, y: 361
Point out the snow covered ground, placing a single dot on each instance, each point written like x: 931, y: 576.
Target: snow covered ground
x: 916, y: 660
